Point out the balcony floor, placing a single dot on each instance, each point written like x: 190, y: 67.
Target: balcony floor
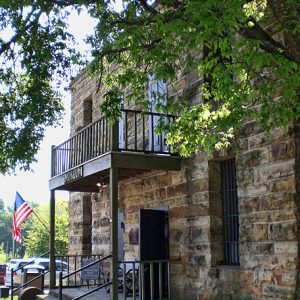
x: 85, y: 177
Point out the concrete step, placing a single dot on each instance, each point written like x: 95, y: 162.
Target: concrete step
x: 45, y: 297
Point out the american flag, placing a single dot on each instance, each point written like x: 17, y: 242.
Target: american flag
x: 21, y: 213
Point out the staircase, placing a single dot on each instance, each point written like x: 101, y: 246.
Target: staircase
x: 71, y: 293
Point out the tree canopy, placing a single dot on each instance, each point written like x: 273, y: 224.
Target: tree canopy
x: 250, y: 67
x: 36, y: 241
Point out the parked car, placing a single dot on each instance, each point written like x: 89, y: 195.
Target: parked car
x: 15, y: 264
x: 43, y: 264
x: 2, y: 273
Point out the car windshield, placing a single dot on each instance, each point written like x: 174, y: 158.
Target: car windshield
x: 12, y: 264
x: 45, y: 265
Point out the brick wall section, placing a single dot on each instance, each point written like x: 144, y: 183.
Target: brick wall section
x: 266, y: 181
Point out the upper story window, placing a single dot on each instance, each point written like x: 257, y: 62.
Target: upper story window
x: 157, y: 93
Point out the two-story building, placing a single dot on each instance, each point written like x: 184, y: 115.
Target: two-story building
x: 214, y: 227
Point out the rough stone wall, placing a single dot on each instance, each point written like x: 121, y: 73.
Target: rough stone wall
x: 266, y: 182
x: 83, y: 111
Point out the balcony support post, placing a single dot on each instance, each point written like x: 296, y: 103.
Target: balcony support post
x: 115, y: 136
x: 52, y: 240
x: 113, y: 172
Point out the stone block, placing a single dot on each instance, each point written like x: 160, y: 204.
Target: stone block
x: 283, y: 231
x: 276, y: 292
x: 282, y: 200
x: 178, y: 176
x: 245, y: 177
x: 248, y: 204
x: 257, y: 248
x: 192, y: 272
x: 255, y: 217
x: 253, y: 232
x: 258, y: 140
x: 252, y: 158
x: 197, y: 186
x: 201, y: 260
x: 188, y: 211
x: 177, y: 190
x: 285, y: 184
x: 284, y: 215
x: 282, y: 150
x: 286, y: 248
x: 275, y: 170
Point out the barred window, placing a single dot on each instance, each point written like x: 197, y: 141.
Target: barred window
x: 230, y: 213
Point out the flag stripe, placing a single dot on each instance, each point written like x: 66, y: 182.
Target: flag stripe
x: 21, y: 213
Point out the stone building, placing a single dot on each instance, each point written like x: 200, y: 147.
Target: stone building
x: 230, y: 220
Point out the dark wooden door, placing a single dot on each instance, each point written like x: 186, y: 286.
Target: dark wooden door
x: 154, y: 245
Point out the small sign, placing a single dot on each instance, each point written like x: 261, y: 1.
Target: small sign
x: 91, y: 273
x: 134, y: 236
x: 73, y: 174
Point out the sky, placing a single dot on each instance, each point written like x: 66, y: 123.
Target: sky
x: 33, y: 186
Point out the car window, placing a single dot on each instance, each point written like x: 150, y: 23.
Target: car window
x: 2, y: 268
x: 45, y: 265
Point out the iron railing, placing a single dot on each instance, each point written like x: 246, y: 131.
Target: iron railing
x: 136, y: 130
x: 149, y: 279
x: 64, y: 278
x: 75, y: 262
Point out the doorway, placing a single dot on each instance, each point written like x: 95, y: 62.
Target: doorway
x: 154, y: 245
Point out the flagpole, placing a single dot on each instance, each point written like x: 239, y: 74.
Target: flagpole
x: 41, y: 221
x: 13, y: 248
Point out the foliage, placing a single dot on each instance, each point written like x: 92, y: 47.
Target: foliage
x: 246, y: 70
x: 37, y: 240
x: 34, y: 49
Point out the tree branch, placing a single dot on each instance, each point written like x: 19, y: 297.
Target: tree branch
x: 148, y: 7
x: 268, y: 43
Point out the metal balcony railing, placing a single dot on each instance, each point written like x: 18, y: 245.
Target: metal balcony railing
x: 135, y: 131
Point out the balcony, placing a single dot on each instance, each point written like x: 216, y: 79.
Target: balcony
x: 131, y: 145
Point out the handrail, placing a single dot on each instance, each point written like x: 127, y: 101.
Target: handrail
x: 79, y: 270
x: 134, y: 131
x: 87, y: 266
x: 35, y: 278
x: 122, y: 110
